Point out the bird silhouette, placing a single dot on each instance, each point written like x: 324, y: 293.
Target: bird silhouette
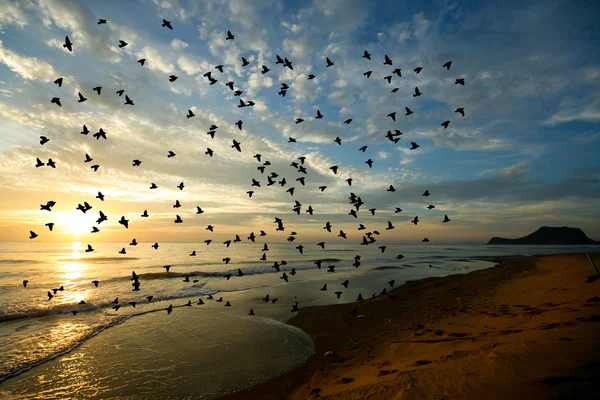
x: 329, y: 62
x: 97, y: 89
x: 81, y: 98
x: 68, y: 45
x: 413, y: 145
x: 229, y: 36
x: 122, y: 43
x: 388, y: 61
x: 141, y: 61
x: 319, y: 115
x: 392, y: 115
x: 417, y: 92
x: 166, y: 24
x: 366, y: 55
x: 368, y: 74
x: 460, y: 81
x: 447, y: 65
x: 446, y: 219
x: 59, y: 82
x: 56, y: 100
x: 418, y: 69
x: 445, y: 124
x: 461, y: 111
x: 128, y: 101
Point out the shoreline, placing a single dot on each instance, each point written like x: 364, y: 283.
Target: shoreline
x: 371, y: 348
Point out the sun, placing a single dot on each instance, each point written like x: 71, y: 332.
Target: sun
x: 76, y: 223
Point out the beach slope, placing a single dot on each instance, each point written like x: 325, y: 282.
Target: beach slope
x: 527, y: 328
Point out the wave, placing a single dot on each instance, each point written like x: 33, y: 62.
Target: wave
x: 99, y: 329
x: 19, y: 261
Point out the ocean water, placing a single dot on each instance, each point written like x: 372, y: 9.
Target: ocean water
x: 201, y: 351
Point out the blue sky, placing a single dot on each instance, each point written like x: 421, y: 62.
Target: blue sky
x: 524, y: 155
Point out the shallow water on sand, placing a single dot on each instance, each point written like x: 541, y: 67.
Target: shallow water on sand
x: 201, y: 351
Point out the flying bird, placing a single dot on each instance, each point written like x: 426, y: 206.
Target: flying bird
x: 166, y: 24
x: 366, y: 55
x: 229, y: 36
x: 447, y: 65
x: 388, y: 61
x: 68, y: 45
x: 461, y: 111
x: 329, y: 62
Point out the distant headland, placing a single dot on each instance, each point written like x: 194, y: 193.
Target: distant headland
x: 549, y: 235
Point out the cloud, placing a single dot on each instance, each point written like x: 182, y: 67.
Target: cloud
x: 29, y: 68
x: 178, y: 44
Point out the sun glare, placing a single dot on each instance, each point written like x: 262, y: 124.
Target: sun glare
x: 76, y: 223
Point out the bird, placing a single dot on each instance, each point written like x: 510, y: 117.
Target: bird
x: 39, y: 163
x: 120, y: 92
x: 81, y: 98
x: 398, y: 72
x: 239, y: 124
x: 171, y: 154
x: 390, y: 226
x: 461, y: 111
x: 388, y: 61
x: 445, y: 124
x: 366, y: 55
x: 425, y: 193
x: 264, y: 69
x: 311, y: 76
x: 32, y: 235
x: 68, y: 45
x: 101, y: 21
x: 408, y: 111
x: 447, y: 65
x: 229, y: 36
x: 124, y: 222
x: 56, y: 100
x: 369, y: 162
x: 172, y: 78
x: 415, y: 220
x: 430, y: 207
x: 417, y: 92
x: 44, y: 140
x: 329, y: 62
x: 390, y: 189
x: 388, y: 78
x: 414, y: 145
x: 418, y: 69
x: 220, y: 68
x: 59, y: 82
x: 50, y: 225
x: 319, y: 115
x: 425, y: 240
x: 169, y: 309
x: 236, y: 145
x: 334, y: 168
x: 338, y: 140
x: 446, y: 219
x: 460, y: 81
x: 97, y: 89
x: 244, y: 62
x: 166, y: 24
x: 141, y: 61
x: 100, y: 134
x: 180, y: 186
x: 392, y: 115
x: 363, y: 149
x: 122, y: 43
x: 128, y: 101
x: 95, y: 283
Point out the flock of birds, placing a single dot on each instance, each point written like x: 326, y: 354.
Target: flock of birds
x: 356, y: 201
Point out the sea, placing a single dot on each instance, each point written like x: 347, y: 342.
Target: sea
x: 77, y: 345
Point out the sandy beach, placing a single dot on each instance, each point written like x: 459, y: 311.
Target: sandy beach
x: 527, y: 328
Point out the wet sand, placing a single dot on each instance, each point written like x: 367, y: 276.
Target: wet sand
x: 527, y: 328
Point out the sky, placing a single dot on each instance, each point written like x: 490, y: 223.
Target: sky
x: 524, y: 155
